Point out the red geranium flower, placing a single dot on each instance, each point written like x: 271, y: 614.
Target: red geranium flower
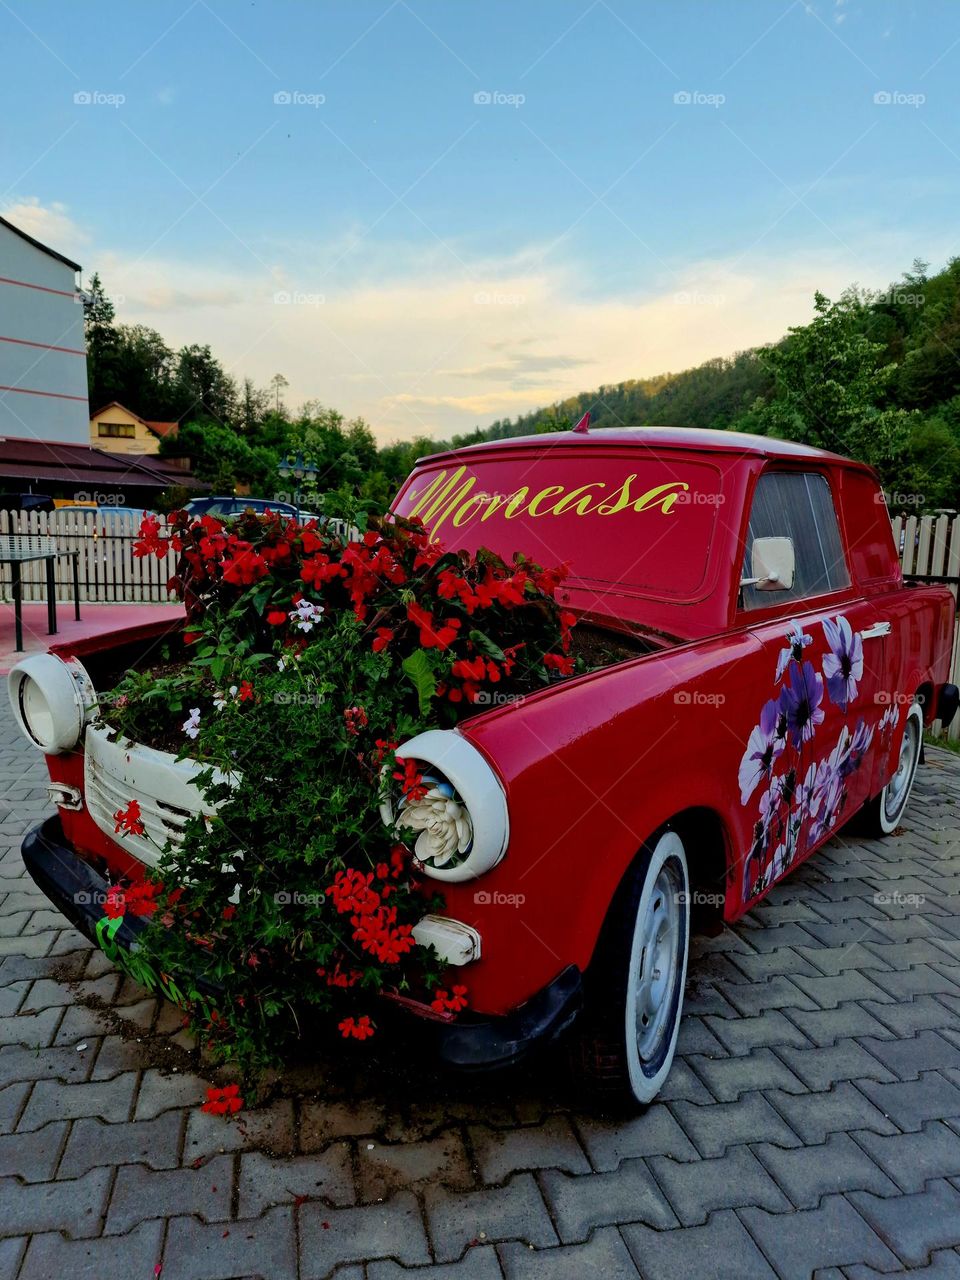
x: 444, y: 1003
x: 223, y: 1101
x: 276, y: 617
x: 129, y: 820
x: 358, y: 1028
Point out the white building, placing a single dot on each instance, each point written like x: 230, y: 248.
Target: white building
x: 43, y: 360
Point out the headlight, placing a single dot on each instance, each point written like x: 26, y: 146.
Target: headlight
x: 461, y: 826
x: 51, y: 699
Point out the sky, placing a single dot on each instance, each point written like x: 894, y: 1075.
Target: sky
x: 435, y: 213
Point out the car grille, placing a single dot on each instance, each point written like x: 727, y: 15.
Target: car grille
x: 116, y: 772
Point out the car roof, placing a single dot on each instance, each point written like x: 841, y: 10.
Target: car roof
x: 693, y: 439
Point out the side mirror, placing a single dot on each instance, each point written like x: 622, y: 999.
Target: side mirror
x: 772, y: 563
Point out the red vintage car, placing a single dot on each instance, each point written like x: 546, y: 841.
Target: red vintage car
x: 774, y: 678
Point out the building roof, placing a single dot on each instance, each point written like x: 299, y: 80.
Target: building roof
x: 160, y: 429
x: 67, y: 262
x: 656, y: 438
x: 81, y: 465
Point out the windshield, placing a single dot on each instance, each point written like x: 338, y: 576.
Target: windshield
x: 640, y: 523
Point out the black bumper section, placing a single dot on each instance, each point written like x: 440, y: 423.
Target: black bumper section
x: 947, y: 702
x: 79, y: 892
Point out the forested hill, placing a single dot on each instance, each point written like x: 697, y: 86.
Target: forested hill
x: 875, y: 375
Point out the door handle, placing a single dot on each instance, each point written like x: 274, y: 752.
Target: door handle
x: 877, y: 630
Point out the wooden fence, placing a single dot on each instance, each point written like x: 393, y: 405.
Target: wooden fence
x: 109, y: 571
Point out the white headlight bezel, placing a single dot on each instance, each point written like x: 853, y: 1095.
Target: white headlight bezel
x: 478, y: 787
x: 67, y: 693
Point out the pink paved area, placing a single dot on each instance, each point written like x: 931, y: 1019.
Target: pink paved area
x: 96, y: 620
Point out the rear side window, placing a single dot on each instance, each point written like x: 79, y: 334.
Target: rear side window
x: 797, y: 505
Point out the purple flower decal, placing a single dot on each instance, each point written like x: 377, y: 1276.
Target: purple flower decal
x: 766, y: 742
x: 843, y: 665
x: 800, y: 700
x: 797, y: 642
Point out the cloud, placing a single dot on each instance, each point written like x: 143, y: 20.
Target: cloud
x: 50, y: 224
x: 433, y: 342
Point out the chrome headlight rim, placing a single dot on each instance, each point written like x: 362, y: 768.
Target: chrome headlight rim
x: 478, y: 788
x: 51, y: 701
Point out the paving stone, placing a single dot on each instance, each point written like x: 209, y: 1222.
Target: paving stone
x: 815, y: 1115
x: 901, y: 956
x: 580, y: 1203
x: 52, y: 1101
x: 479, y: 1263
x: 727, y: 1078
x: 74, y: 1207
x: 11, y: 997
x: 805, y: 1174
x: 63, y: 1064
x: 265, y: 1249
x: 513, y: 1212
x: 30, y: 1029
x: 159, y: 1093
x: 851, y: 985
x: 912, y: 1159
x: 92, y: 1143
x: 656, y: 1132
x: 823, y: 1067
x: 911, y: 1016
x: 11, y: 1254
x: 931, y: 1097
x: 778, y: 992
x: 270, y: 1128
x: 323, y: 1122
x: 787, y: 960
x: 740, y: 1035
x: 12, y: 1100
x: 265, y: 1181
x: 715, y: 1128
x: 136, y: 1254
x: 33, y: 1156
x: 926, y: 1051
x: 551, y: 1145
x: 695, y: 1189
x: 140, y: 1193
x: 914, y: 1225
x: 721, y: 1250
x: 696, y: 1037
x: 389, y: 1167
x: 605, y: 1256
x: 945, y: 1265
x: 922, y: 979
x: 329, y: 1237
x: 833, y: 1235
x: 827, y: 1026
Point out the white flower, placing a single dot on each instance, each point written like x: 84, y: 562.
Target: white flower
x: 220, y: 701
x: 443, y: 822
x: 191, y: 727
x: 306, y: 614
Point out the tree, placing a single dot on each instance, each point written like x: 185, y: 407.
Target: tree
x: 278, y: 383
x: 205, y: 389
x: 100, y: 337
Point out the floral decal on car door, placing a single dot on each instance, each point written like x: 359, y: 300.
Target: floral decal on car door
x: 802, y: 779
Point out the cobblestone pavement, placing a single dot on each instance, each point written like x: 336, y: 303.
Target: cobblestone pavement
x: 810, y: 1127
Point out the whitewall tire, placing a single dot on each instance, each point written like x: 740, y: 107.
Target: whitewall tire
x: 885, y: 811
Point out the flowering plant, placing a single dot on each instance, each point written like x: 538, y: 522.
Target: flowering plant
x: 310, y: 653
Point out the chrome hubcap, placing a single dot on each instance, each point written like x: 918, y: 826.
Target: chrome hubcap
x: 895, y: 796
x: 659, y: 932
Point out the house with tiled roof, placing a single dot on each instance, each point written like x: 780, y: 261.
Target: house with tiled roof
x: 116, y: 429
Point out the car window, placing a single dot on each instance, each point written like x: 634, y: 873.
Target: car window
x: 797, y: 505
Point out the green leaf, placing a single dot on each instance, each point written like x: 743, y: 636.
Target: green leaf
x: 484, y: 642
x: 418, y: 668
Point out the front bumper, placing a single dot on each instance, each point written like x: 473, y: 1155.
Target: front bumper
x: 472, y: 1043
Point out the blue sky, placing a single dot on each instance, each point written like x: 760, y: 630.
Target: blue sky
x: 647, y: 185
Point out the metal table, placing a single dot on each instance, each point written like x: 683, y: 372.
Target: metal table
x: 18, y: 549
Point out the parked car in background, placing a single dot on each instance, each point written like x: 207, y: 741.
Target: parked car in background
x: 772, y: 678
x: 232, y: 506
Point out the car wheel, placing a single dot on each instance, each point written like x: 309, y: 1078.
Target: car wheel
x: 628, y: 1031
x: 883, y: 813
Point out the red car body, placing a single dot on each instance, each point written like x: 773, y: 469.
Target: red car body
x: 655, y: 525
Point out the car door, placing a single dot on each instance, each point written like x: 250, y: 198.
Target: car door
x: 808, y: 765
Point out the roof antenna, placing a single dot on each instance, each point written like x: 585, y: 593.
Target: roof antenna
x: 583, y: 426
